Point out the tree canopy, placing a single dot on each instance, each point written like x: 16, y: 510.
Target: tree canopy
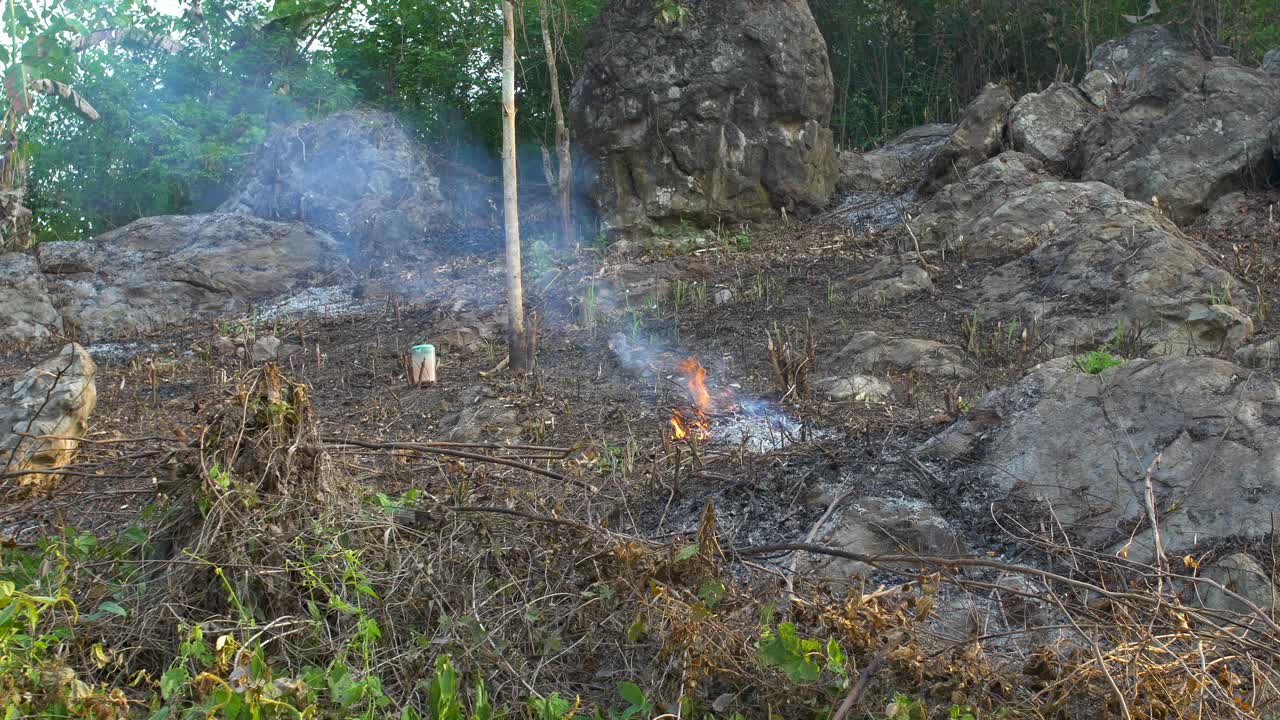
x: 182, y: 99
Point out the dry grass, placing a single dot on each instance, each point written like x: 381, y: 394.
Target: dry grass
x: 265, y: 531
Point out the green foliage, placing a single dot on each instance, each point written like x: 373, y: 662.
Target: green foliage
x: 900, y: 64
x: 671, y: 11
x: 801, y: 659
x: 905, y: 707
x: 552, y: 707
x: 176, y: 128
x: 1096, y: 361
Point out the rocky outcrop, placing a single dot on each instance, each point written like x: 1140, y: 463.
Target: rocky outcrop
x: 168, y: 270
x: 719, y: 116
x: 1098, y: 85
x: 1047, y: 126
x: 896, y: 165
x: 356, y: 175
x: 1082, y: 444
x: 979, y: 136
x: 44, y: 413
x: 26, y: 312
x: 1081, y: 260
x: 871, y: 352
x: 1179, y: 127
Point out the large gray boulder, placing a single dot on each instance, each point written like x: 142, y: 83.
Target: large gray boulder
x: 1080, y: 260
x: 896, y: 165
x: 26, y: 312
x: 173, y: 269
x: 1079, y: 445
x: 356, y: 175
x: 979, y: 136
x: 1179, y: 128
x: 720, y: 116
x: 44, y: 413
x: 1047, y: 125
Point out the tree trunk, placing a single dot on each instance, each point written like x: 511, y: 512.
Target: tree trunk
x: 564, y: 179
x: 517, y: 345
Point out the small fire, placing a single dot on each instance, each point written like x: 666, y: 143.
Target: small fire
x: 695, y: 378
x: 678, y: 431
x: 694, y: 427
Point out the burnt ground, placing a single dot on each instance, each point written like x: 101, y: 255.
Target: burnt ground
x: 978, y: 636
x: 581, y: 397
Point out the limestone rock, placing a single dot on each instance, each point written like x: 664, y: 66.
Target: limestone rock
x: 945, y: 221
x: 1218, y: 326
x: 895, y: 166
x: 1239, y: 573
x: 886, y: 526
x: 1271, y: 61
x: 979, y: 136
x: 26, y: 312
x: 44, y: 412
x: 1080, y: 260
x: 1183, y: 129
x: 1082, y: 444
x: 721, y: 117
x: 265, y: 349
x: 891, y: 279
x: 1047, y: 126
x: 1259, y: 355
x: 358, y: 176
x: 862, y: 388
x: 168, y: 270
x: 870, y: 352
x: 1098, y: 85
x: 1243, y: 217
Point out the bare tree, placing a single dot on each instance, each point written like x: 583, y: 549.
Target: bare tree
x: 518, y: 346
x: 564, y: 176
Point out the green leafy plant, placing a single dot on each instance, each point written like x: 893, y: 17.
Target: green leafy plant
x: 671, y: 11
x: 800, y: 659
x: 1096, y: 361
x: 552, y: 707
x: 905, y: 707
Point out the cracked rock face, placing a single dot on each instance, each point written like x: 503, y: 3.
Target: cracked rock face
x: 1047, y: 126
x: 719, y: 117
x: 979, y: 136
x: 1082, y: 444
x: 44, y: 413
x: 26, y: 312
x: 1080, y: 260
x: 167, y: 270
x: 1179, y: 127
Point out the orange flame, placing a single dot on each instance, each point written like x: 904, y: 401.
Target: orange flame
x: 694, y: 427
x: 695, y: 378
x: 677, y: 427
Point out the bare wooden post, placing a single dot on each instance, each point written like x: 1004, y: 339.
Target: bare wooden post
x: 516, y: 344
x: 564, y: 177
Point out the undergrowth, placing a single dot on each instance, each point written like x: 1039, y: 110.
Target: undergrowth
x: 267, y: 581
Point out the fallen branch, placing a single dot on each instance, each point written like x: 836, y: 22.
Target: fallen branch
x: 451, y: 452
